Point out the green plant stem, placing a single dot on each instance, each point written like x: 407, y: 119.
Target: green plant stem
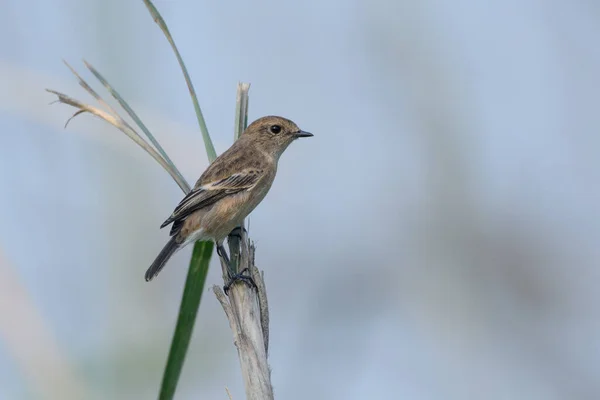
x: 192, y: 293
x: 194, y: 284
x: 210, y: 149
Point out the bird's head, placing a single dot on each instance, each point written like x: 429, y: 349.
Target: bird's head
x: 274, y: 134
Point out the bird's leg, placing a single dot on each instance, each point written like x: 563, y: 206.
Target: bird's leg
x: 233, y: 277
x: 237, y: 232
x: 235, y: 245
x: 223, y: 254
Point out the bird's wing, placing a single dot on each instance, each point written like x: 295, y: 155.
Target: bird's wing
x: 210, y: 192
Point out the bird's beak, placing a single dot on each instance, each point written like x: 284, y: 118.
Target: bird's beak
x: 300, y: 134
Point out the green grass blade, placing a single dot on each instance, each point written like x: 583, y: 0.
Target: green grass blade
x: 196, y: 278
x: 194, y: 287
x: 210, y: 149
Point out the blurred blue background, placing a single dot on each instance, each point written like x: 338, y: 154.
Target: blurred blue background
x: 436, y: 239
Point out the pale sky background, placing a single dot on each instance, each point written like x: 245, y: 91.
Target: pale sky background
x: 436, y: 239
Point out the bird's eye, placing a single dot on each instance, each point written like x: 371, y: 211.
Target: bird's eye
x: 275, y: 129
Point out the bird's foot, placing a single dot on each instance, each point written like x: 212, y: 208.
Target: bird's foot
x: 240, y: 277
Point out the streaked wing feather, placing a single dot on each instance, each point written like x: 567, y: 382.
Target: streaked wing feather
x: 209, y: 193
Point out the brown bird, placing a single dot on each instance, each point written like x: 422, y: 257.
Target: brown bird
x: 230, y: 188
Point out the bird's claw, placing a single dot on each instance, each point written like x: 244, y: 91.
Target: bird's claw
x: 240, y: 277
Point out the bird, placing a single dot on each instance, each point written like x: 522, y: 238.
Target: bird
x: 229, y: 189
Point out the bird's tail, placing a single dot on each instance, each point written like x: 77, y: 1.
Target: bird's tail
x: 170, y: 248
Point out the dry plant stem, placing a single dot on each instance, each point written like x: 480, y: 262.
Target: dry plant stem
x: 129, y: 111
x: 124, y: 127
x: 246, y: 310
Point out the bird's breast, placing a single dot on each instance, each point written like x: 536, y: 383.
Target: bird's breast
x: 229, y: 212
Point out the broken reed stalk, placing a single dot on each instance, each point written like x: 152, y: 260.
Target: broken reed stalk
x: 248, y: 315
x: 247, y: 309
